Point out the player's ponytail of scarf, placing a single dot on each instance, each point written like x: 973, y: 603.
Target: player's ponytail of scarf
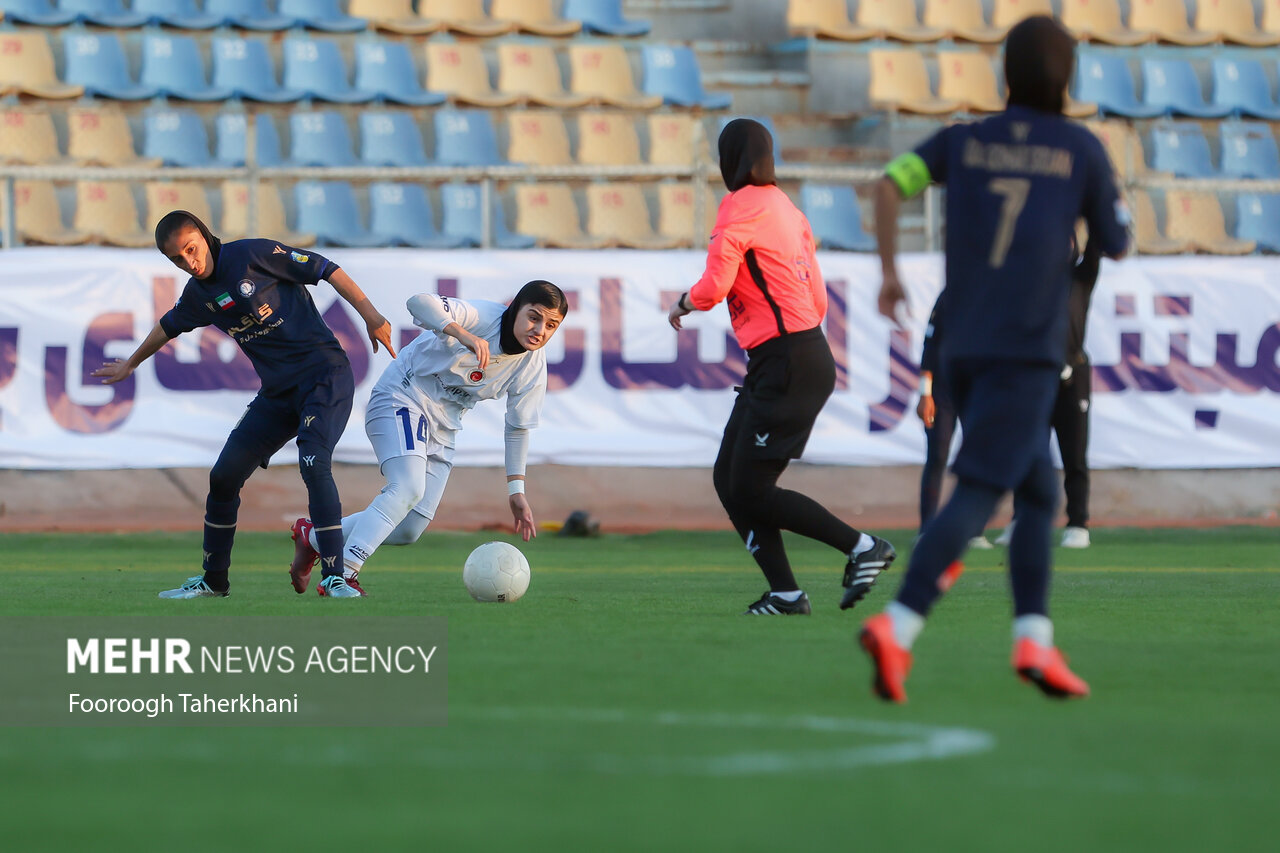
x: 175, y: 220
x: 536, y: 292
x: 1039, y: 58
x: 746, y: 155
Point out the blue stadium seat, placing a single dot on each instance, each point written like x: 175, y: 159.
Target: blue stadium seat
x: 40, y: 13
x: 1105, y: 81
x: 386, y: 69
x: 673, y: 73
x: 835, y: 217
x: 764, y: 120
x: 322, y: 15
x: 1181, y: 148
x: 603, y: 17
x: 179, y: 14
x: 1249, y: 150
x: 1241, y: 84
x: 249, y: 14
x: 328, y: 210
x: 175, y: 136
x: 462, y: 218
x: 104, y: 13
x: 172, y: 65
x: 466, y: 138
x: 231, y: 142
x: 1172, y: 84
x: 244, y: 66
x: 97, y: 62
x: 400, y: 215
x: 1258, y: 219
x: 316, y: 67
x: 390, y: 139
x: 319, y: 139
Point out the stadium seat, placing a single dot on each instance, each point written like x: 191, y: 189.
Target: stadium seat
x: 1105, y: 80
x: 391, y: 138
x: 26, y: 67
x: 39, y: 13
x: 962, y: 19
x: 100, y: 136
x: 672, y: 72
x: 549, y: 213
x: 1124, y: 147
x: 1173, y: 85
x: 179, y: 14
x: 604, y: 17
x: 464, y: 16
x: 394, y: 16
x: 1167, y: 20
x: 1258, y: 220
x: 1196, y: 218
x: 617, y: 213
x: 385, y: 68
x: 462, y: 218
x: 465, y: 138
x: 899, y: 81
x: 676, y: 214
x: 836, y: 218
x: 172, y: 65
x: 894, y: 19
x: 537, y: 138
x: 319, y: 139
x: 400, y: 215
x: 177, y: 137
x: 1233, y: 21
x: 27, y: 136
x: 324, y: 15
x: 1242, y: 85
x: 329, y: 210
x: 270, y: 209
x: 316, y: 67
x: 1249, y: 150
x: 249, y: 14
x: 37, y: 216
x: 1006, y: 13
x: 536, y: 17
x: 1271, y: 17
x: 231, y: 144
x: 603, y: 73
x: 1099, y: 20
x: 677, y: 140
x: 825, y: 19
x: 1147, y: 238
x: 164, y: 196
x: 104, y: 13
x: 244, y: 66
x: 607, y: 139
x: 969, y: 79
x: 458, y: 70
x: 532, y: 72
x: 97, y: 62
x: 1181, y: 149
x: 107, y: 211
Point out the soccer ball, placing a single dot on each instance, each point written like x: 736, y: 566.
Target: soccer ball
x: 496, y: 571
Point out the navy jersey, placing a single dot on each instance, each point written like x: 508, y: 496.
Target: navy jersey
x: 256, y: 296
x: 1016, y: 184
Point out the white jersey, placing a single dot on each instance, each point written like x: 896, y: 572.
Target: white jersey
x: 446, y: 377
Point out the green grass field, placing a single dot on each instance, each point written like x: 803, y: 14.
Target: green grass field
x: 624, y: 704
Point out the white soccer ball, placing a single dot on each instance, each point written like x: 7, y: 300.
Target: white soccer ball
x: 496, y: 571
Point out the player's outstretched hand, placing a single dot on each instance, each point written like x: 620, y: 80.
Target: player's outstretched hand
x: 380, y: 333
x: 927, y: 411
x: 675, y: 312
x: 524, y: 517
x: 891, y: 297
x: 113, y: 371
x: 477, y: 345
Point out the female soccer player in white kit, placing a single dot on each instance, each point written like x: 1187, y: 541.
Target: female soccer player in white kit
x: 470, y: 351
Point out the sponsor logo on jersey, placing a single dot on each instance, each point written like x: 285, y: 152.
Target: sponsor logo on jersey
x: 300, y: 258
x: 209, y: 305
x: 225, y: 301
x: 247, y: 287
x: 277, y: 251
x: 476, y: 375
x: 762, y: 440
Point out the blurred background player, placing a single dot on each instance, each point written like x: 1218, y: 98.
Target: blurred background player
x: 761, y: 262
x: 471, y: 351
x: 1016, y: 184
x: 251, y: 289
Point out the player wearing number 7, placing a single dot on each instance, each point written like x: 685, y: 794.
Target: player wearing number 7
x: 1016, y: 184
x: 470, y: 351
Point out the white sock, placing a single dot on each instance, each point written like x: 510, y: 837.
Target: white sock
x: 1034, y: 627
x: 791, y: 595
x: 865, y: 543
x: 907, y: 624
x: 349, y: 570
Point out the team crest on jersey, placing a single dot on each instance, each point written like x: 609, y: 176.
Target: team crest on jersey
x: 300, y: 258
x: 476, y: 375
x: 247, y: 287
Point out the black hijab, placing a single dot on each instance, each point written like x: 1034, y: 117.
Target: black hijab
x: 537, y: 292
x: 1039, y: 58
x: 746, y: 155
x: 175, y: 220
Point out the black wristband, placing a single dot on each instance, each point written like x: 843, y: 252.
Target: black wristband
x: 683, y: 306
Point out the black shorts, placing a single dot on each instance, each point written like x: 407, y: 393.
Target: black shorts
x: 1004, y: 408
x: 316, y: 409
x: 788, y: 382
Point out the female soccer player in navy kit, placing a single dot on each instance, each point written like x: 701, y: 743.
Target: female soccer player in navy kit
x: 761, y: 261
x: 252, y: 290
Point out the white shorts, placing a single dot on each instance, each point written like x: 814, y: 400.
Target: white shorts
x: 397, y: 426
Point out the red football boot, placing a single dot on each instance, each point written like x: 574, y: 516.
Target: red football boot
x: 304, y: 556
x: 1046, y: 668
x: 891, y: 661
x: 354, y: 583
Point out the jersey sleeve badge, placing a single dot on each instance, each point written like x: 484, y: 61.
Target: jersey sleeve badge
x: 299, y: 258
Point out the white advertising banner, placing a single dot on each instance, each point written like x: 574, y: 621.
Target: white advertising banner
x: 1184, y: 353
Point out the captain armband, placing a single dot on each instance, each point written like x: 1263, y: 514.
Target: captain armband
x: 909, y: 174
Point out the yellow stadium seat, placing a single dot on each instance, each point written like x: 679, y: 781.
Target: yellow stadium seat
x: 899, y: 81
x: 1118, y: 138
x: 27, y: 136
x: 458, y: 69
x: 548, y: 213
x: 963, y: 19
x: 1078, y: 109
x: 463, y: 16
x: 676, y: 214
x: 164, y: 196
x: 824, y: 19
x: 538, y: 138
x: 603, y: 72
x: 1232, y: 21
x: 38, y: 217
x: 895, y: 19
x: 534, y: 16
x: 618, y: 212
x: 100, y: 136
x: 1099, y: 20
x: 395, y: 16
x: 1147, y: 238
x: 1006, y: 13
x: 968, y: 77
x: 271, y: 222
x: 106, y: 210
x: 531, y: 72
x: 677, y: 139
x: 1167, y: 19
x: 1271, y: 16
x: 1196, y: 217
x: 26, y: 67
x: 607, y: 139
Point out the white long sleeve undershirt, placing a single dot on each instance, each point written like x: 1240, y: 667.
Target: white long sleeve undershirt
x: 517, y: 454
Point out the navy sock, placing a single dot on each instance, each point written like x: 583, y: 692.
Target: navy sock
x: 1030, y: 551
x: 324, y: 505
x: 943, y: 541
x: 219, y: 536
